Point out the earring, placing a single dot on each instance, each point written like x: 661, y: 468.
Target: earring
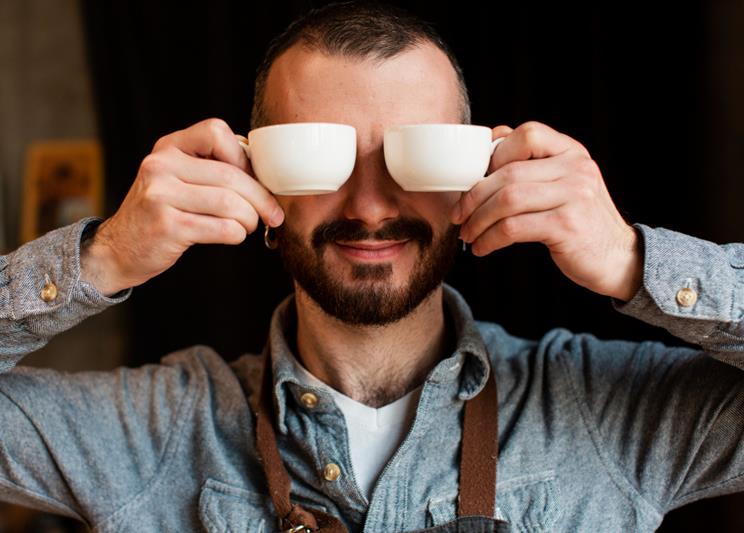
x: 270, y: 238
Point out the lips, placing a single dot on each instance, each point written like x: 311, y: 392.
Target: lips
x: 371, y: 250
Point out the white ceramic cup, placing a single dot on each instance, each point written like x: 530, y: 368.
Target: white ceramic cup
x: 302, y: 158
x: 438, y: 157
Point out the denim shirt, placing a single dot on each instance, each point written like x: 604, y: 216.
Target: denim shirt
x: 594, y: 435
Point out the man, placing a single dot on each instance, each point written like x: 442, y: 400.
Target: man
x: 373, y: 360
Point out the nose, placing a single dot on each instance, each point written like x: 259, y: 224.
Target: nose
x: 370, y: 194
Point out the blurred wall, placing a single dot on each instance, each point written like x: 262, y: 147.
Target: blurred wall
x: 45, y: 90
x: 45, y: 93
x: 723, y: 138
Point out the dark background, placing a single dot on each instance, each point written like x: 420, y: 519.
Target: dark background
x: 653, y: 92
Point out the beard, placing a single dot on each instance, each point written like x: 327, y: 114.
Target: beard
x: 372, y: 300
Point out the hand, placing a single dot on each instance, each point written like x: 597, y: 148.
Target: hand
x: 195, y: 187
x: 543, y: 186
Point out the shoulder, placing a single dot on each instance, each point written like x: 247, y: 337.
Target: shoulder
x: 570, y: 352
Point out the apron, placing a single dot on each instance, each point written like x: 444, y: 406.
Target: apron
x: 478, y: 459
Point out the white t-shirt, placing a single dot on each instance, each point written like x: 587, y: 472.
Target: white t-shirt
x: 374, y: 434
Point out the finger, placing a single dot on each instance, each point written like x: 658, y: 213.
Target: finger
x: 218, y: 174
x: 531, y: 140
x: 500, y: 131
x: 527, y: 227
x: 539, y: 170
x: 516, y: 199
x: 214, y: 201
x: 212, y: 139
x: 205, y: 229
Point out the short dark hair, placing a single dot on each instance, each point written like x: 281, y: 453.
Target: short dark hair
x: 363, y: 30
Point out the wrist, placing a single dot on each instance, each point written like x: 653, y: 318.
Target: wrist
x: 631, y: 267
x: 98, y: 265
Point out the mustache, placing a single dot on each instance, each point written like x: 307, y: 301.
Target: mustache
x: 399, y: 229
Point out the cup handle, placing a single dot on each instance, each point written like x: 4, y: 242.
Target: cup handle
x: 494, y: 143
x: 243, y: 142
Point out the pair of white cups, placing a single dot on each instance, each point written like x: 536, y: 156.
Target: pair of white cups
x: 318, y: 157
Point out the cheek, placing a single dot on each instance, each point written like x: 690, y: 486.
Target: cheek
x: 305, y: 213
x: 436, y: 207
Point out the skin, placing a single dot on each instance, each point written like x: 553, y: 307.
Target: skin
x: 196, y: 186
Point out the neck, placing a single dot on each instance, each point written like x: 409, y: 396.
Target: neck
x: 374, y: 365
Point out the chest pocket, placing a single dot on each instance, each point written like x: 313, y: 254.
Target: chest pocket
x: 529, y: 504
x: 227, y: 509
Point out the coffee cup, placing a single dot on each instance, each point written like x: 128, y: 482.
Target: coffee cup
x: 301, y: 158
x: 438, y: 157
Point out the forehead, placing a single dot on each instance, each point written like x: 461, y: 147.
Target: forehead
x: 418, y: 85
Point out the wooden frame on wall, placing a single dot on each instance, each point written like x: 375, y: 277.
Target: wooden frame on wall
x: 63, y: 182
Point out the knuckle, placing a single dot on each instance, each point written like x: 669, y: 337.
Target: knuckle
x: 164, y: 224
x: 250, y: 220
x: 152, y: 164
x: 588, y: 167
x: 217, y: 127
x: 232, y: 232
x: 224, y: 175
x: 152, y: 193
x: 224, y: 203
x: 584, y: 191
x: 184, y: 221
x: 531, y: 132
x: 570, y: 221
x: 510, y: 227
x: 223, y: 228
x: 510, y: 195
x: 162, y: 143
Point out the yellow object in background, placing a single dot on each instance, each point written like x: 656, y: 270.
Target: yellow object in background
x: 63, y: 182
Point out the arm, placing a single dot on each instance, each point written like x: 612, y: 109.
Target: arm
x: 666, y: 421
x: 694, y: 289
x: 30, y: 315
x: 193, y: 188
x: 83, y: 444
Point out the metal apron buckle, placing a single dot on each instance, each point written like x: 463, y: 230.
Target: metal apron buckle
x: 297, y: 529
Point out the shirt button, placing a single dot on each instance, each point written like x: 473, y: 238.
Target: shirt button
x: 331, y: 472
x: 686, y: 297
x: 49, y: 292
x: 309, y: 400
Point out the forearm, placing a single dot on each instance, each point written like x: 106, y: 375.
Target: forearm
x: 42, y: 293
x: 694, y: 289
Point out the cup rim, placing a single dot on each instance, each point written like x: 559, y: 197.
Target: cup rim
x: 297, y: 124
x: 435, y: 125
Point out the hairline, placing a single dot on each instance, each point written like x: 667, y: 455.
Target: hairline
x: 311, y: 43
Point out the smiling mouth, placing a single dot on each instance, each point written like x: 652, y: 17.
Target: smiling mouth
x: 371, y: 250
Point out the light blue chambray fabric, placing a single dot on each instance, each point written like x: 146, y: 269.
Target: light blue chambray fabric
x: 595, y: 435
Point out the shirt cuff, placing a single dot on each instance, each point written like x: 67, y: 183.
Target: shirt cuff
x: 691, y: 287
x: 40, y: 287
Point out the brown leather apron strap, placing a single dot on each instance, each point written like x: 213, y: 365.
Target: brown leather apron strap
x: 479, y: 455
x: 291, y: 517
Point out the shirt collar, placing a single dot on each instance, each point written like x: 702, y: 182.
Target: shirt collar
x: 469, y: 363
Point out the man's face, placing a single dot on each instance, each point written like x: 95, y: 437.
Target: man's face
x: 370, y: 252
